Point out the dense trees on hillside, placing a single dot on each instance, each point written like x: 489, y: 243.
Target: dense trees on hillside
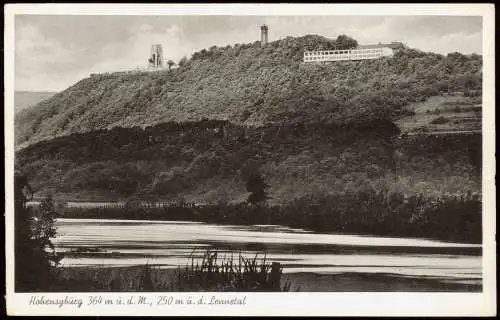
x: 206, y: 158
x: 249, y: 84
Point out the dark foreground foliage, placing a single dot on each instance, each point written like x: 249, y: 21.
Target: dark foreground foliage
x: 449, y: 218
x: 35, y: 257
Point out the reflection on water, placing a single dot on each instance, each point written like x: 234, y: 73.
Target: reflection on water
x: 170, y: 244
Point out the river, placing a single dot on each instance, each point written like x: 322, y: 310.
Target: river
x: 169, y: 244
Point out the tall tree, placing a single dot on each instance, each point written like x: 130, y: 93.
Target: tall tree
x: 183, y: 61
x: 170, y: 64
x: 44, y: 229
x: 34, y: 253
x: 344, y: 42
x: 258, y: 188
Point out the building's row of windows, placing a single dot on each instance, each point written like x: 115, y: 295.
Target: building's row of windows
x: 374, y: 54
x: 342, y: 57
x: 358, y: 51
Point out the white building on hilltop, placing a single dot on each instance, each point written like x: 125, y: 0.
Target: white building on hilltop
x: 362, y: 52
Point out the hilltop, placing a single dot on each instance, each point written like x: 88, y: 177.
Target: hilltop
x: 252, y: 86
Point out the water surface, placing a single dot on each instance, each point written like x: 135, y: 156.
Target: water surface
x: 169, y: 244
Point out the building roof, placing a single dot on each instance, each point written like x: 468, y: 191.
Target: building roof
x: 392, y: 45
x: 372, y: 46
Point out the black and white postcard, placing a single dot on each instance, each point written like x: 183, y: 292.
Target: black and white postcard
x: 250, y: 159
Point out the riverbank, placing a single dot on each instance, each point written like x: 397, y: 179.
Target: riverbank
x: 447, y: 218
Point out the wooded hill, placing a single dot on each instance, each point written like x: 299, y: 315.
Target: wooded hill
x: 249, y: 85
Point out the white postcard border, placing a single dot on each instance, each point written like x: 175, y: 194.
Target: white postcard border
x: 346, y: 303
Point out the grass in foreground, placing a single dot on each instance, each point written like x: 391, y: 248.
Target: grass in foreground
x: 215, y: 271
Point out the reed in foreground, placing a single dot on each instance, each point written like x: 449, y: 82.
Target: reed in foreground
x: 210, y: 270
x: 222, y: 273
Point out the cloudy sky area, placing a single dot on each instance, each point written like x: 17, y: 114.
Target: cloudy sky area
x: 53, y: 52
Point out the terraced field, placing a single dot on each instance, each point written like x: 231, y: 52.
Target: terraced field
x: 443, y: 114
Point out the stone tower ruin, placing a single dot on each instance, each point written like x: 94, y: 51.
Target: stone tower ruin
x: 263, y: 35
x: 156, y: 58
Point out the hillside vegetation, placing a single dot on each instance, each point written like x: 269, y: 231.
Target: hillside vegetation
x: 209, y: 161
x: 249, y: 85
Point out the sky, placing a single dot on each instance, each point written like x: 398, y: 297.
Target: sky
x: 52, y: 52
